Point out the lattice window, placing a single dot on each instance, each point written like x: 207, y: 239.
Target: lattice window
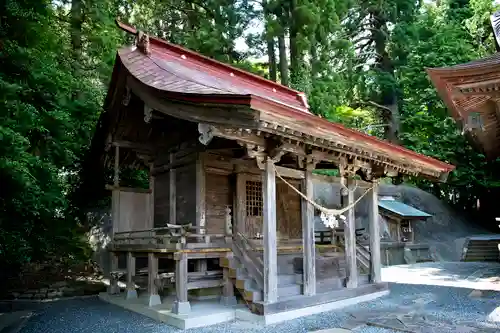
x: 254, y: 198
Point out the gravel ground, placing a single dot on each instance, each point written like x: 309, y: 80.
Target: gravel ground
x: 443, y: 303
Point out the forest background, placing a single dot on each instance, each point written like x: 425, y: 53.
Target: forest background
x: 361, y: 62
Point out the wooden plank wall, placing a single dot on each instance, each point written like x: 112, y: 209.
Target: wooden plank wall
x: 218, y: 197
x: 288, y: 210
x: 185, y: 186
x: 134, y: 211
x: 161, y: 197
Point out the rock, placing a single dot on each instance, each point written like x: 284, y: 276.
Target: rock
x: 39, y: 296
x: 55, y: 294
x: 59, y: 284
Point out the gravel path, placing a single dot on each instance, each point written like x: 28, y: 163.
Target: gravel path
x: 444, y: 303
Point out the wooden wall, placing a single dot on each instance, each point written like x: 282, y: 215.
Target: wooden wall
x: 288, y: 208
x: 162, y: 199
x: 218, y: 197
x: 185, y: 189
x: 133, y: 211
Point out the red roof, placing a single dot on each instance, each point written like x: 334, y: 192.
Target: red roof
x: 194, y: 77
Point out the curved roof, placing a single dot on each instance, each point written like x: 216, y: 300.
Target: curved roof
x: 473, y: 87
x: 187, y: 76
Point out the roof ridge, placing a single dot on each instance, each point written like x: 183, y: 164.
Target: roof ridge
x: 299, y: 95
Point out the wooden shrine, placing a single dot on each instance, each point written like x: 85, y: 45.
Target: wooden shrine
x: 401, y: 219
x: 217, y: 142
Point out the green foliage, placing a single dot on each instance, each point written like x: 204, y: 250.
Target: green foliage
x: 352, y: 57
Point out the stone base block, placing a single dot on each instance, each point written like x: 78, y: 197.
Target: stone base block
x: 131, y: 294
x: 154, y: 300
x: 181, y: 307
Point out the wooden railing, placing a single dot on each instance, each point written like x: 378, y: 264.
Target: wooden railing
x: 363, y: 255
x: 249, y: 257
x: 170, y: 237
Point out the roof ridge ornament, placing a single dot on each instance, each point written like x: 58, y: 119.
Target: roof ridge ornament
x: 142, y: 43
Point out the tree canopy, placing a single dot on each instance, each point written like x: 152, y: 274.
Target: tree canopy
x: 361, y: 62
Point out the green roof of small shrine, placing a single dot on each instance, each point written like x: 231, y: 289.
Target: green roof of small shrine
x: 401, y: 209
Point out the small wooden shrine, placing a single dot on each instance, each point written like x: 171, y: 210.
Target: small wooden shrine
x: 225, y: 150
x: 400, y: 219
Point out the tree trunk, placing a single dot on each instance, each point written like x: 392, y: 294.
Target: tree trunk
x: 294, y: 49
x: 388, y: 96
x: 283, y: 59
x: 271, y: 52
x: 76, y: 31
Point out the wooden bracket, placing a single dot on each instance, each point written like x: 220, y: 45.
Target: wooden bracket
x: 257, y: 152
x: 347, y: 168
x: 127, y: 96
x: 207, y: 133
x: 148, y: 113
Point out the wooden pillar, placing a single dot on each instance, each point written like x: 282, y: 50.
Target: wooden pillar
x: 113, y: 281
x: 374, y: 230
x: 151, y: 197
x: 154, y: 298
x: 131, y: 292
x: 172, y: 192
x: 201, y: 264
x: 240, y: 212
x: 269, y: 232
x: 228, y: 297
x: 181, y: 304
x: 350, y: 239
x: 308, y: 239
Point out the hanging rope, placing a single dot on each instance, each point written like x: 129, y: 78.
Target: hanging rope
x: 328, y: 215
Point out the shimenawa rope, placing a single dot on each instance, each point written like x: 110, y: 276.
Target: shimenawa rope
x: 328, y: 215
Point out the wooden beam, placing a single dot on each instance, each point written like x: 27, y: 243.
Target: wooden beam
x: 176, y: 163
x: 374, y: 230
x: 308, y: 237
x: 269, y: 232
x: 116, y: 177
x: 127, y: 189
x: 350, y: 239
x: 133, y: 145
x: 172, y: 193
x: 200, y: 191
x: 290, y: 173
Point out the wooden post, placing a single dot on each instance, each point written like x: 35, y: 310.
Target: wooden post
x: 154, y: 298
x: 201, y: 264
x: 374, y: 229
x: 151, y: 197
x: 228, y: 297
x: 240, y: 212
x: 350, y: 239
x: 113, y: 282
x: 172, y: 192
x: 308, y: 239
x: 181, y: 304
x: 131, y: 292
x: 269, y: 232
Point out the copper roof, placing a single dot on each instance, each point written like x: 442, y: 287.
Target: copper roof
x: 189, y: 76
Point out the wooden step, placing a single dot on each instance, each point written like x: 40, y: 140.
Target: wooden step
x: 251, y: 295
